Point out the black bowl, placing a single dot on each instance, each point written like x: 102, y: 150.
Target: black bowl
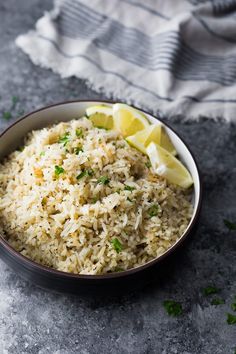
x: 114, y: 283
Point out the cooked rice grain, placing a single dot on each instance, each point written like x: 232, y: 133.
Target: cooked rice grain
x: 68, y: 218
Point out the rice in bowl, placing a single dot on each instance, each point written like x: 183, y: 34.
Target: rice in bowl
x: 81, y: 200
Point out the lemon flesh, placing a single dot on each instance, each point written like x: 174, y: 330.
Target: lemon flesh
x: 101, y: 116
x: 133, y: 141
x: 166, y: 165
x: 128, y: 120
x: 153, y: 133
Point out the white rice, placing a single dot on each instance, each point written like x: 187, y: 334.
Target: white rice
x: 74, y: 225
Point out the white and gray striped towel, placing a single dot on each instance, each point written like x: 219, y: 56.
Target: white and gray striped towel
x: 175, y: 56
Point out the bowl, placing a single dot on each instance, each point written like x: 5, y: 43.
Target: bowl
x: 114, y: 283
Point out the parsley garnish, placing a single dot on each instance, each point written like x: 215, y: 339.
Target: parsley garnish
x: 77, y: 150
x: 94, y: 200
x: 42, y: 153
x: 230, y: 225
x: 118, y: 269
x: 7, y: 115
x: 103, y: 180
x: 64, y: 139
x: 21, y: 148
x: 173, y: 308
x: 116, y: 245
x: 59, y: 170
x: 233, y: 305
x: 217, y: 301
x: 209, y: 290
x: 85, y: 173
x: 148, y: 164
x: 153, y: 210
x: 231, y: 319
x: 14, y: 100
x: 129, y: 188
x: 79, y: 133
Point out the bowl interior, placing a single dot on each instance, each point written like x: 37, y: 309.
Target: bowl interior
x: 14, y: 136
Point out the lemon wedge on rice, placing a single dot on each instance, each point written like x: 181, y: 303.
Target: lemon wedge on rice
x: 153, y: 133
x: 166, y: 165
x: 128, y: 120
x: 101, y: 116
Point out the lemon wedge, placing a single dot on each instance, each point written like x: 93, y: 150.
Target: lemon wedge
x: 166, y: 165
x: 101, y: 116
x: 153, y: 133
x: 128, y: 120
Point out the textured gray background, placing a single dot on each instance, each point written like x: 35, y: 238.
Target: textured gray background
x: 35, y: 321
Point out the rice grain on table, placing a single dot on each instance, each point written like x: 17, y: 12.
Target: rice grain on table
x: 79, y: 199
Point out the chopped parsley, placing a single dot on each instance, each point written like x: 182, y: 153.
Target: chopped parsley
x: 230, y: 225
x: 14, y: 101
x: 64, y: 139
x: 59, y: 170
x: 21, y: 148
x: 209, y: 290
x: 116, y: 245
x: 103, y: 180
x: 231, y: 319
x: 217, y: 301
x: 233, y: 305
x: 173, y: 308
x: 77, y: 150
x: 7, y: 115
x: 153, y: 210
x: 85, y: 173
x: 148, y: 164
x: 118, y: 269
x: 42, y: 153
x: 94, y: 200
x: 79, y: 133
x: 129, y: 188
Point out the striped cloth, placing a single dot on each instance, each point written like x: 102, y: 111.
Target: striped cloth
x: 171, y: 56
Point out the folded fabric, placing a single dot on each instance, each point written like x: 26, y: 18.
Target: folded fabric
x: 172, y: 56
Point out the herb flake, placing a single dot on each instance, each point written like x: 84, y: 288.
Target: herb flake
x: 103, y: 180
x: 77, y: 150
x: 79, y: 133
x: 153, y: 210
x: 218, y: 301
x: 148, y: 164
x: 14, y: 101
x: 85, y: 173
x: 231, y: 319
x: 233, y: 305
x: 59, y: 170
x: 129, y: 188
x: 230, y: 225
x: 117, y: 245
x: 209, y: 290
x: 64, y: 139
x: 173, y: 308
x: 7, y: 115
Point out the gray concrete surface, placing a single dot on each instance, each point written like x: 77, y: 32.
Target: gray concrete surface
x: 36, y: 321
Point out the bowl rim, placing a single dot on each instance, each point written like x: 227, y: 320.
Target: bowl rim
x: 51, y: 271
